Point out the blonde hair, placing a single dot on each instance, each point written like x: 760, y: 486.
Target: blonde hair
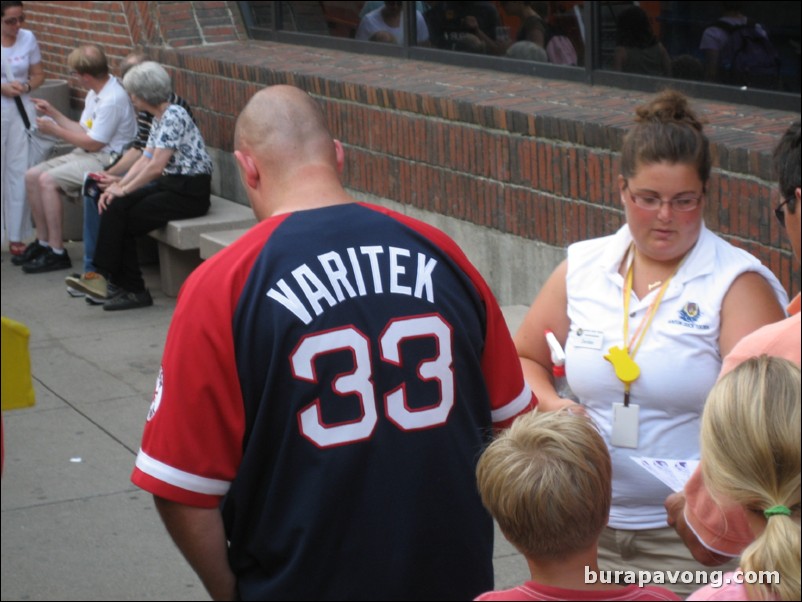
x: 751, y: 455
x: 547, y: 481
x: 89, y: 59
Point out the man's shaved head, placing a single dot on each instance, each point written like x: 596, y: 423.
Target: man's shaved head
x: 283, y: 124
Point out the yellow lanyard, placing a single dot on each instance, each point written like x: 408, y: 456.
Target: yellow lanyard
x: 623, y: 360
x: 634, y: 344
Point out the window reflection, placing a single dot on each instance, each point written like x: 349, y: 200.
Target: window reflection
x: 384, y: 22
x: 542, y: 31
x: 689, y: 40
x: 749, y: 44
x: 261, y: 13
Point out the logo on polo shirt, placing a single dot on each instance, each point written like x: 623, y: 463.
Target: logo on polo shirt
x: 689, y: 316
x: 690, y: 313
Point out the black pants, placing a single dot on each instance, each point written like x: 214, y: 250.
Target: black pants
x: 143, y: 210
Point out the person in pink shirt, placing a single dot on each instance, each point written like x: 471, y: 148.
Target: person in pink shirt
x: 713, y: 532
x: 547, y: 482
x: 750, y: 442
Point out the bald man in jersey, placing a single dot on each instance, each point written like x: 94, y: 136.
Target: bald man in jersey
x: 327, y: 385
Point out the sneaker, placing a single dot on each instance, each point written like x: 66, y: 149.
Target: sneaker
x: 49, y: 261
x: 31, y: 252
x: 112, y: 291
x: 128, y: 300
x: 91, y: 284
x: 74, y: 292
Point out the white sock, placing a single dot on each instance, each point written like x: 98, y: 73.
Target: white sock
x: 57, y: 251
x: 43, y: 243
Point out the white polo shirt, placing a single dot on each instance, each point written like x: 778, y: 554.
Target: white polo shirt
x: 679, y: 357
x: 109, y: 117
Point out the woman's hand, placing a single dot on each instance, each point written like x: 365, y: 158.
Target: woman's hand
x: 14, y: 89
x: 104, y: 201
x: 105, y: 180
x: 111, y: 193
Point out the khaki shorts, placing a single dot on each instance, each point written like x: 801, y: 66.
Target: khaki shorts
x: 654, y: 550
x: 68, y: 170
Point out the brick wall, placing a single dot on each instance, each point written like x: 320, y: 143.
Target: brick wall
x: 119, y: 26
x: 518, y: 154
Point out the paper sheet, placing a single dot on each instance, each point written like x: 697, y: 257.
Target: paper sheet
x: 674, y: 473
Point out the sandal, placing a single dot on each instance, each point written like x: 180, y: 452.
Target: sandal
x: 16, y: 248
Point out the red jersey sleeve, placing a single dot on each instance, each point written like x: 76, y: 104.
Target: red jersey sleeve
x: 192, y: 442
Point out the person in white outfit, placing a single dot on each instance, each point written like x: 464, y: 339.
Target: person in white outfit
x: 106, y: 125
x: 22, y: 72
x: 646, y: 316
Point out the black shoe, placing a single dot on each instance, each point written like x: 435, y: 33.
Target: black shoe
x: 31, y: 252
x: 113, y: 292
x: 48, y: 262
x: 128, y: 300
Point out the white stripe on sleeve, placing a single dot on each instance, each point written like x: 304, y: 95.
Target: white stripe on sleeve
x: 513, y: 408
x: 179, y: 478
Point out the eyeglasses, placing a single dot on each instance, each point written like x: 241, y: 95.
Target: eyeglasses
x: 654, y: 203
x: 14, y: 20
x: 779, y: 213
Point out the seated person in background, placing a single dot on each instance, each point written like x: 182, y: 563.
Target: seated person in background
x: 528, y: 51
x: 637, y: 50
x: 389, y: 19
x: 171, y: 180
x: 372, y: 5
x: 536, y: 33
x: 533, y: 21
x: 547, y: 482
x: 464, y: 27
x: 98, y: 182
x: 750, y: 443
x: 107, y: 123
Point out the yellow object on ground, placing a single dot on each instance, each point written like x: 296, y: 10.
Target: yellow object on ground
x: 17, y: 384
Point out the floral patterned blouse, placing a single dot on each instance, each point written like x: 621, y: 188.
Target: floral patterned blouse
x: 176, y: 131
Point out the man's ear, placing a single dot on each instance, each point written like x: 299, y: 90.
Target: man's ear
x: 340, y: 154
x: 249, y: 172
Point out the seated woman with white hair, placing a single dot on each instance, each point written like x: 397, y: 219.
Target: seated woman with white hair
x: 172, y: 180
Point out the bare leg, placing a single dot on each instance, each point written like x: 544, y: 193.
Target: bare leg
x: 34, y: 200
x: 52, y: 209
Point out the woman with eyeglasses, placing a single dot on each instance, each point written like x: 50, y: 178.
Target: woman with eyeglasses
x: 21, y: 72
x: 645, y: 316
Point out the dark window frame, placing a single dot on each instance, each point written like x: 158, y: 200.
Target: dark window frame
x: 589, y: 73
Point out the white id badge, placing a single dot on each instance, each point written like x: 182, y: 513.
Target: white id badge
x: 625, y: 425
x: 588, y: 339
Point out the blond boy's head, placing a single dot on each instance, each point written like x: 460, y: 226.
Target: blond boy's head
x: 547, y: 482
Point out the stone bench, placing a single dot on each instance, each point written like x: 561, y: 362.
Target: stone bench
x: 179, y: 240
x: 212, y: 242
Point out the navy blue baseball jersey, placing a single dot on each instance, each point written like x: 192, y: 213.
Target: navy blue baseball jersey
x: 330, y: 380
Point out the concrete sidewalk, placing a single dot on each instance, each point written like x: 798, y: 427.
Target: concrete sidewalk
x: 73, y: 526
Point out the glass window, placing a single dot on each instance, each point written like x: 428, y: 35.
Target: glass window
x: 749, y: 44
x: 752, y: 46
x: 258, y: 15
